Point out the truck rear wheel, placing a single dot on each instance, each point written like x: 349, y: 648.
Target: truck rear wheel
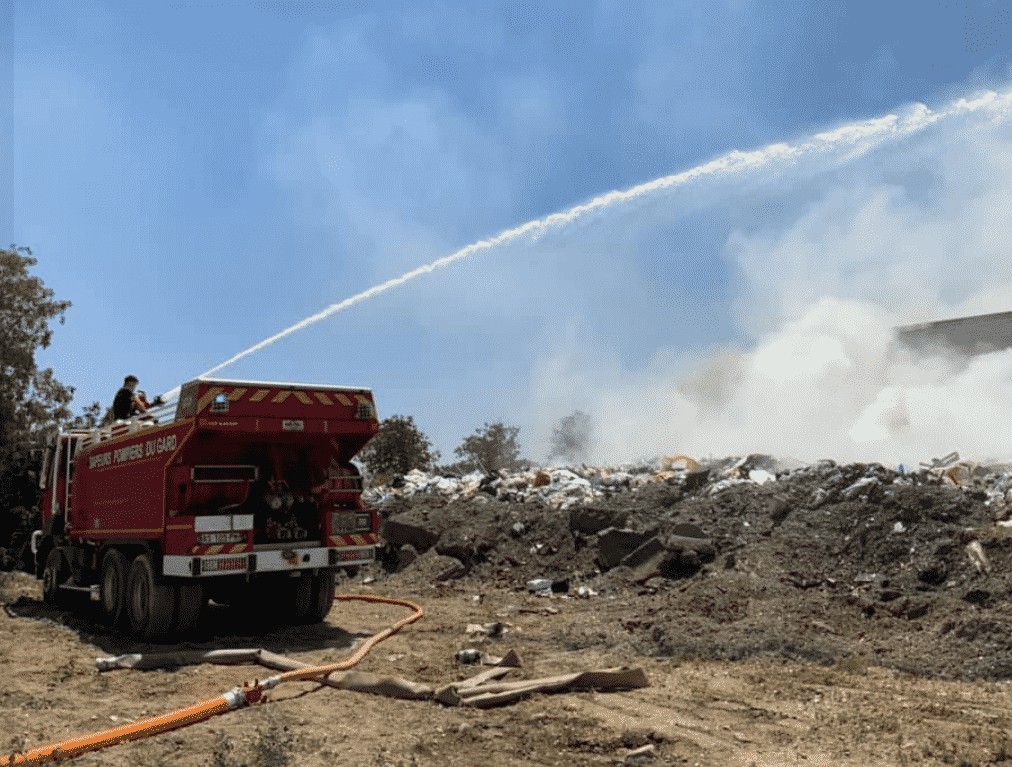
x: 152, y: 602
x: 56, y: 572
x: 322, y: 598
x: 289, y: 600
x: 114, y: 588
x: 190, y: 603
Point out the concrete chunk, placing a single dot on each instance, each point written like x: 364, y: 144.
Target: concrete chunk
x: 590, y: 521
x: 398, y: 531
x: 643, y: 553
x: 406, y: 555
x: 614, y: 545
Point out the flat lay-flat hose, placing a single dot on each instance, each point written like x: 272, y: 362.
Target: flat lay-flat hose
x: 198, y: 712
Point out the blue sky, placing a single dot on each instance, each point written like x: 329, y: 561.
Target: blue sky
x: 196, y: 177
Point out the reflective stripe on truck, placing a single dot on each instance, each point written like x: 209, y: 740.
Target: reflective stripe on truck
x: 279, y: 560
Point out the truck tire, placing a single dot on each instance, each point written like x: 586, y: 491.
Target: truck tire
x: 152, y: 602
x: 115, y: 569
x: 190, y: 603
x: 56, y: 572
x: 322, y: 599
x: 301, y: 590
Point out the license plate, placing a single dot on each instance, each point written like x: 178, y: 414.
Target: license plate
x: 342, y: 524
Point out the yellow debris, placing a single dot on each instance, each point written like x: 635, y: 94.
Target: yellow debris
x: 670, y: 460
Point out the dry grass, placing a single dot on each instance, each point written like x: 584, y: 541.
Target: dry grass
x: 18, y: 745
x: 271, y: 747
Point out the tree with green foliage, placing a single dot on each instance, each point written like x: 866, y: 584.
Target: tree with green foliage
x: 571, y: 438
x: 30, y: 400
x: 398, y: 447
x: 33, y: 404
x: 490, y: 450
x: 89, y: 419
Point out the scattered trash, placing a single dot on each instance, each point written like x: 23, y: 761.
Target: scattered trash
x: 977, y: 556
x: 724, y: 484
x: 539, y: 585
x: 468, y: 656
x: 490, y: 630
x: 941, y: 463
x: 669, y: 461
x: 899, y: 528
x: 618, y: 479
x: 585, y: 592
x: 962, y: 472
x: 819, y: 497
x: 642, y: 753
x: 574, y: 487
x: 859, y: 488
x: 368, y: 579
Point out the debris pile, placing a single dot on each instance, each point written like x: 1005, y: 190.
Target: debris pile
x: 633, y: 516
x: 734, y: 550
x: 564, y: 487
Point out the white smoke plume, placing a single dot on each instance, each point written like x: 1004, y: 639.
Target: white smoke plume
x: 910, y: 231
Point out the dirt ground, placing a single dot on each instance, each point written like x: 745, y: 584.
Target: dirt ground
x: 757, y: 711
x: 828, y: 630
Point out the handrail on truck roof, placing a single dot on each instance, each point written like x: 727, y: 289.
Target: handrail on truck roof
x: 163, y: 414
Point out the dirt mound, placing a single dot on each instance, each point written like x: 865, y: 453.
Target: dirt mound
x: 821, y: 562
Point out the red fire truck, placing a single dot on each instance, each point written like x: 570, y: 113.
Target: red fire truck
x: 244, y: 492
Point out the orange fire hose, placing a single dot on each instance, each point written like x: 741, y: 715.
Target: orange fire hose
x: 235, y: 698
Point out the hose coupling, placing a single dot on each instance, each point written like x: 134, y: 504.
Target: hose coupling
x: 236, y: 698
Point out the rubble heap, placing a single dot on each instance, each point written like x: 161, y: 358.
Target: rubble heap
x: 737, y: 556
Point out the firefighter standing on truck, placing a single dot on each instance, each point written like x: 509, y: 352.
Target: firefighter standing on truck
x: 127, y: 404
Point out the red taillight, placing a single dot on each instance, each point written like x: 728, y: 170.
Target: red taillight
x: 224, y: 564
x: 351, y: 555
x: 343, y: 478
